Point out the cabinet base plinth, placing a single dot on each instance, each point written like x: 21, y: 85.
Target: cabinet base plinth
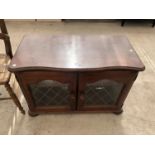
x: 118, y: 112
x: 32, y: 114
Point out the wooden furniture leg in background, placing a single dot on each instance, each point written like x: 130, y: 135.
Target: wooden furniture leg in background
x: 14, y: 97
x: 123, y: 22
x: 4, y: 61
x: 153, y: 24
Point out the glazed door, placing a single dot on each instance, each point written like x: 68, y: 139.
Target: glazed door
x: 103, y: 91
x: 49, y: 91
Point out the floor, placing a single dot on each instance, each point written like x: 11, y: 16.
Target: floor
x: 139, y: 108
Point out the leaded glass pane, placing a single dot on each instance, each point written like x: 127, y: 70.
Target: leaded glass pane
x: 50, y: 93
x: 103, y: 92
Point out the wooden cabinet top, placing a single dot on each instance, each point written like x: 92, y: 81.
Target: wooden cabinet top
x: 75, y: 53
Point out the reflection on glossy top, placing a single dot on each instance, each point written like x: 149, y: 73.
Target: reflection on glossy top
x: 75, y: 52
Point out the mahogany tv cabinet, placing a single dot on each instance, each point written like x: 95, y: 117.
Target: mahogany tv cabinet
x: 75, y: 73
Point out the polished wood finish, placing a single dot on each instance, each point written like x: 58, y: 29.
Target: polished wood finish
x: 4, y: 61
x: 77, y: 81
x: 75, y: 52
x: 27, y: 78
x: 125, y: 77
x: 77, y: 61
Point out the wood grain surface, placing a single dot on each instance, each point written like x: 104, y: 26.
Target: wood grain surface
x: 75, y: 53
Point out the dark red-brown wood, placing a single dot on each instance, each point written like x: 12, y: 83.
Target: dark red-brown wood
x: 76, y: 60
x: 124, y: 77
x: 27, y: 78
x: 75, y: 52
